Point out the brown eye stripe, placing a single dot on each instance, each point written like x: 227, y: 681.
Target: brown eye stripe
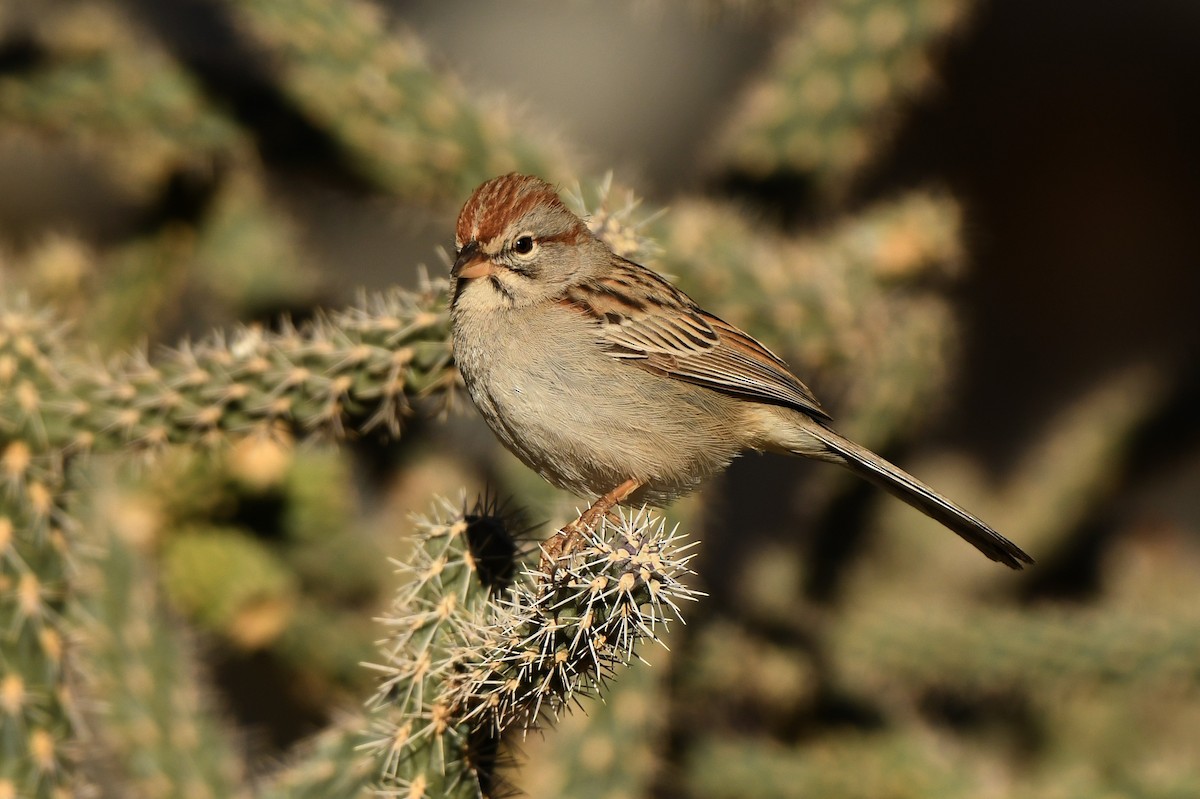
x: 571, y: 236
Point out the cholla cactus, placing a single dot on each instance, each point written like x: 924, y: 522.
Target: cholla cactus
x: 411, y: 129
x: 474, y: 653
x: 107, y: 92
x: 152, y: 722
x: 367, y: 363
x: 100, y: 690
x: 836, y: 86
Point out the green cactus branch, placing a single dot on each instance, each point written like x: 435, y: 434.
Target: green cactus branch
x: 898, y: 764
x: 977, y: 647
x: 1050, y: 494
x: 36, y: 700
x: 474, y: 652
x: 106, y: 91
x: 836, y: 86
x: 244, y: 253
x: 154, y: 727
x: 329, y: 766
x: 361, y: 367
x: 409, y: 128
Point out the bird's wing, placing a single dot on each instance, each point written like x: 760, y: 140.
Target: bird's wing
x: 646, y: 321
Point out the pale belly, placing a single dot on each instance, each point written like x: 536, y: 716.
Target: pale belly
x: 589, y: 424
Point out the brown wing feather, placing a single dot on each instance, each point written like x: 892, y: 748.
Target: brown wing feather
x: 648, y: 322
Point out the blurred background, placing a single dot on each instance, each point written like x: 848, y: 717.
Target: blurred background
x: 968, y: 225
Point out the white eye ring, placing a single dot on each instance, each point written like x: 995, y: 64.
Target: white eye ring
x: 524, y: 246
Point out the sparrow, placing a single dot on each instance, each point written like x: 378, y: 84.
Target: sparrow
x: 607, y: 380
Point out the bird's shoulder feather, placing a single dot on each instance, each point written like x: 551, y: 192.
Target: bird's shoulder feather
x: 644, y: 320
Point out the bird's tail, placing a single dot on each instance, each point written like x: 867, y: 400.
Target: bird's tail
x: 904, y: 486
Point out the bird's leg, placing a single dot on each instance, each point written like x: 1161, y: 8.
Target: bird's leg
x: 601, y: 507
x: 569, y: 538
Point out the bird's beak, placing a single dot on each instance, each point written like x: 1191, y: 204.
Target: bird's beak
x: 471, y: 263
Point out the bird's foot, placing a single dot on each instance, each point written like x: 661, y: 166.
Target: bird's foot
x: 573, y: 536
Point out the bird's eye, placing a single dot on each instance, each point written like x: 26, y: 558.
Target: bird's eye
x: 523, y: 245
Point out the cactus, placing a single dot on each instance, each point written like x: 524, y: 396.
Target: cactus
x: 610, y: 751
x: 105, y: 91
x: 412, y: 130
x: 229, y: 583
x: 367, y: 363
x: 923, y: 677
x: 851, y: 766
x: 296, y: 589
x: 248, y: 256
x: 471, y: 656
x: 836, y: 86
x: 1053, y: 489
x: 158, y: 731
x: 985, y: 649
x: 37, y: 701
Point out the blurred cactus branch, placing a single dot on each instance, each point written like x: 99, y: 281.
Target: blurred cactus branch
x: 912, y: 647
x: 37, y: 704
x: 103, y: 89
x: 835, y: 89
x: 369, y: 86
x: 329, y: 765
x: 100, y: 87
x: 152, y: 720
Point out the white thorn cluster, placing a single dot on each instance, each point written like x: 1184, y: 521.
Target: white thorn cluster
x: 621, y: 224
x: 555, y: 639
x: 464, y: 663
